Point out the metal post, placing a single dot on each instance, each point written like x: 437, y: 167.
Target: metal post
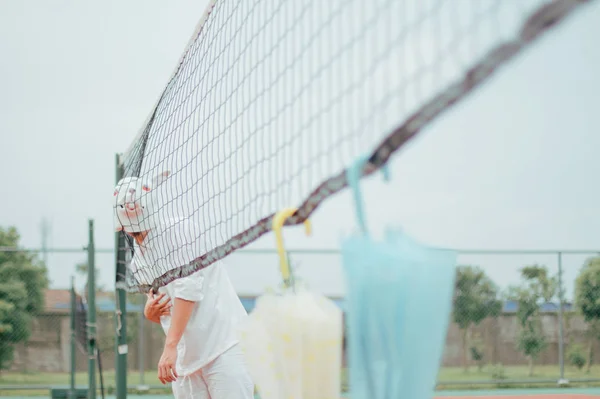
x: 72, y: 366
x: 561, y: 332
x: 142, y: 347
x: 45, y: 231
x: 292, y: 280
x: 91, y: 314
x: 121, y: 308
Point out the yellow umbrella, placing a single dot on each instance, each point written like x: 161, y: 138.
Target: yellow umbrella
x: 293, y: 341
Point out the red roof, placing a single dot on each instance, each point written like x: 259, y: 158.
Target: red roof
x: 56, y: 301
x: 59, y: 301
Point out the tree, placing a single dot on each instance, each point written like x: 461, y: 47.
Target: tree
x: 538, y: 287
x: 477, y: 355
x: 23, y: 281
x: 475, y: 298
x: 539, y: 282
x: 576, y: 356
x: 587, y: 299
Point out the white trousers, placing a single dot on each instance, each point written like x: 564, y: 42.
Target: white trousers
x: 226, y: 377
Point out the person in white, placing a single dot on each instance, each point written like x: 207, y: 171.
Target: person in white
x: 201, y: 356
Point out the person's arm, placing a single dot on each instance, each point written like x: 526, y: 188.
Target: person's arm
x: 182, y: 311
x: 187, y: 293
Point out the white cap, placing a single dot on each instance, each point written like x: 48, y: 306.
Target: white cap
x: 132, y: 205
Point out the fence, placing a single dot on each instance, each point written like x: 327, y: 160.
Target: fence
x: 488, y: 349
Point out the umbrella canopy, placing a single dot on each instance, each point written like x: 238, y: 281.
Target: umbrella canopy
x: 398, y: 307
x: 293, y: 346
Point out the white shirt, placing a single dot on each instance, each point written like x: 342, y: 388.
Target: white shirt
x: 212, y: 327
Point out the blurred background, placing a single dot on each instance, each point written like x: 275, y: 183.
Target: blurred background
x: 508, y: 179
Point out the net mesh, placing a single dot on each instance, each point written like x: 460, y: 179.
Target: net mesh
x: 81, y: 330
x: 273, y: 99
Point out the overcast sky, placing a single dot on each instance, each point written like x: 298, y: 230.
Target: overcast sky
x: 513, y: 166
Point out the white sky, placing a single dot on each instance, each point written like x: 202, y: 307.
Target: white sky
x: 514, y: 166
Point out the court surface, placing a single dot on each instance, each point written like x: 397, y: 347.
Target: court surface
x: 564, y: 393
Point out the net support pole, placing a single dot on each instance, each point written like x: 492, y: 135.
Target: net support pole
x: 72, y: 364
x: 142, y: 347
x: 121, y: 307
x: 561, y: 331
x: 91, y: 314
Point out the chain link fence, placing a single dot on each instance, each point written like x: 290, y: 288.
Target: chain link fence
x: 496, y: 336
x: 35, y: 314
x: 515, y: 319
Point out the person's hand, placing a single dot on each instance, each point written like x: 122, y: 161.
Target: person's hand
x: 166, y: 365
x: 154, y: 309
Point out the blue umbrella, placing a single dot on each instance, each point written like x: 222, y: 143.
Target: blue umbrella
x: 398, y: 306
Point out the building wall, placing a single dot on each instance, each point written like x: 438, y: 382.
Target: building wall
x: 499, y: 338
x: 48, y: 348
